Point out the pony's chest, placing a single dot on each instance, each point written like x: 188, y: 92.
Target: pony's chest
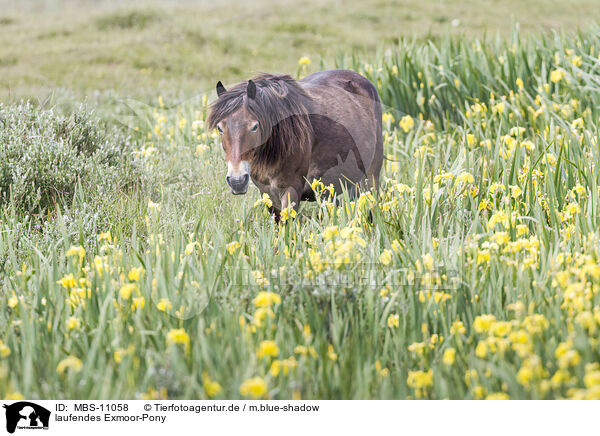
x: 270, y: 185
x: 273, y: 186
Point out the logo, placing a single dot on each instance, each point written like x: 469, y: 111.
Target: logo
x: 26, y: 415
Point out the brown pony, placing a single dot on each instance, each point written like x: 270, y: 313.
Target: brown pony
x: 283, y: 134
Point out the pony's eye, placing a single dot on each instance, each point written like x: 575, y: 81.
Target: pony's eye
x: 220, y: 130
x: 254, y: 128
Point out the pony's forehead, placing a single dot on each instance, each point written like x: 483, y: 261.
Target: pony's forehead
x: 241, y: 113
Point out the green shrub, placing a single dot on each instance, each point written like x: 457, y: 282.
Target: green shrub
x: 44, y: 155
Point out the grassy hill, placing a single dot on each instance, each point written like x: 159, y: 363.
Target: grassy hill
x: 84, y: 48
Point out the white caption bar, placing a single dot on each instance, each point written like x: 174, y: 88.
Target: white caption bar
x: 298, y: 417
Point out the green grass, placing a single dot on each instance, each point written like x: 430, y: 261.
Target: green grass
x: 476, y: 273
x: 77, y: 49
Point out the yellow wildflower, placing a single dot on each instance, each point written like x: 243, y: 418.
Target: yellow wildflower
x: 254, y: 387
x: 267, y: 349
x: 135, y: 274
x: 73, y: 323
x: 163, y: 305
x: 76, y: 251
x: 71, y: 362
x: 557, y: 76
x: 266, y: 299
x: 385, y: 257
x: 407, y: 123
x: 449, y: 356
x: 178, y: 336
x: 126, y: 290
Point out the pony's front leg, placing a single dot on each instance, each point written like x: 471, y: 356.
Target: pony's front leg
x: 291, y: 197
x: 276, y: 212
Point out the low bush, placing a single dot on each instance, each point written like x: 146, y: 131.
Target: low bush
x: 44, y: 155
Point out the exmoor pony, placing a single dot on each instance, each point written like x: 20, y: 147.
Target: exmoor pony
x: 283, y: 134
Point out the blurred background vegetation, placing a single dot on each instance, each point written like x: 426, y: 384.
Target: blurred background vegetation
x: 92, y: 48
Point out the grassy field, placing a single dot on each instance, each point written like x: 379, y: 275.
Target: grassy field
x: 71, y: 49
x: 129, y: 271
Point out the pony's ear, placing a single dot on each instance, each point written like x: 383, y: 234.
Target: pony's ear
x: 220, y: 89
x: 251, y: 89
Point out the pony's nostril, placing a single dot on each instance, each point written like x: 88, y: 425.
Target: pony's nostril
x: 246, y: 179
x: 228, y: 180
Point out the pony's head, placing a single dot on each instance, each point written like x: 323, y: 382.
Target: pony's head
x: 259, y: 122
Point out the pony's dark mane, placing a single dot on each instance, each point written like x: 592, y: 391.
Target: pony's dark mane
x: 280, y: 106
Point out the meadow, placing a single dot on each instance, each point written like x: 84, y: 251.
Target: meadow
x: 128, y: 270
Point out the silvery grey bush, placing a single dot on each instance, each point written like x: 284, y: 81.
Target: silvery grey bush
x: 44, y: 155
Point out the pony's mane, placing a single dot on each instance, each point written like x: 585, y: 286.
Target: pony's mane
x: 280, y: 108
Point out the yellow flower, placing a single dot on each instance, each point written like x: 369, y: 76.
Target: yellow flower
x: 449, y: 356
x: 303, y: 61
x: 458, y: 327
x: 383, y: 372
x: 428, y: 262
x: 393, y: 321
x: 154, y: 206
x: 385, y: 257
x: 119, y: 354
x: 232, y: 246
x: 138, y: 303
x: 499, y: 107
x: 519, y: 83
x: 135, y: 274
x: 71, y: 362
x: 286, y: 365
x: 501, y: 328
x: 418, y: 348
x: 331, y: 354
x: 13, y: 302
x: 407, y: 123
x: 73, y: 323
x: 301, y: 349
x: 557, y: 76
x: 267, y: 349
x: 483, y: 323
x: 497, y: 396
x: 126, y: 290
x: 481, y: 350
x: 265, y: 200
x: 67, y: 281
x: 254, y: 387
x: 420, y: 379
x: 387, y: 118
x: 76, y: 251
x: 287, y: 213
x: 465, y: 177
x: 178, y: 336
x: 211, y: 388
x: 261, y: 314
x: 189, y: 248
x: 163, y: 305
x: 524, y: 376
x: 266, y: 299
x: 4, y: 350
x: 105, y: 236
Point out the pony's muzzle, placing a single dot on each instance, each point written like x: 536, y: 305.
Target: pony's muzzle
x: 238, y: 185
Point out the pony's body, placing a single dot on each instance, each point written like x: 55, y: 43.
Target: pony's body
x: 328, y: 127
